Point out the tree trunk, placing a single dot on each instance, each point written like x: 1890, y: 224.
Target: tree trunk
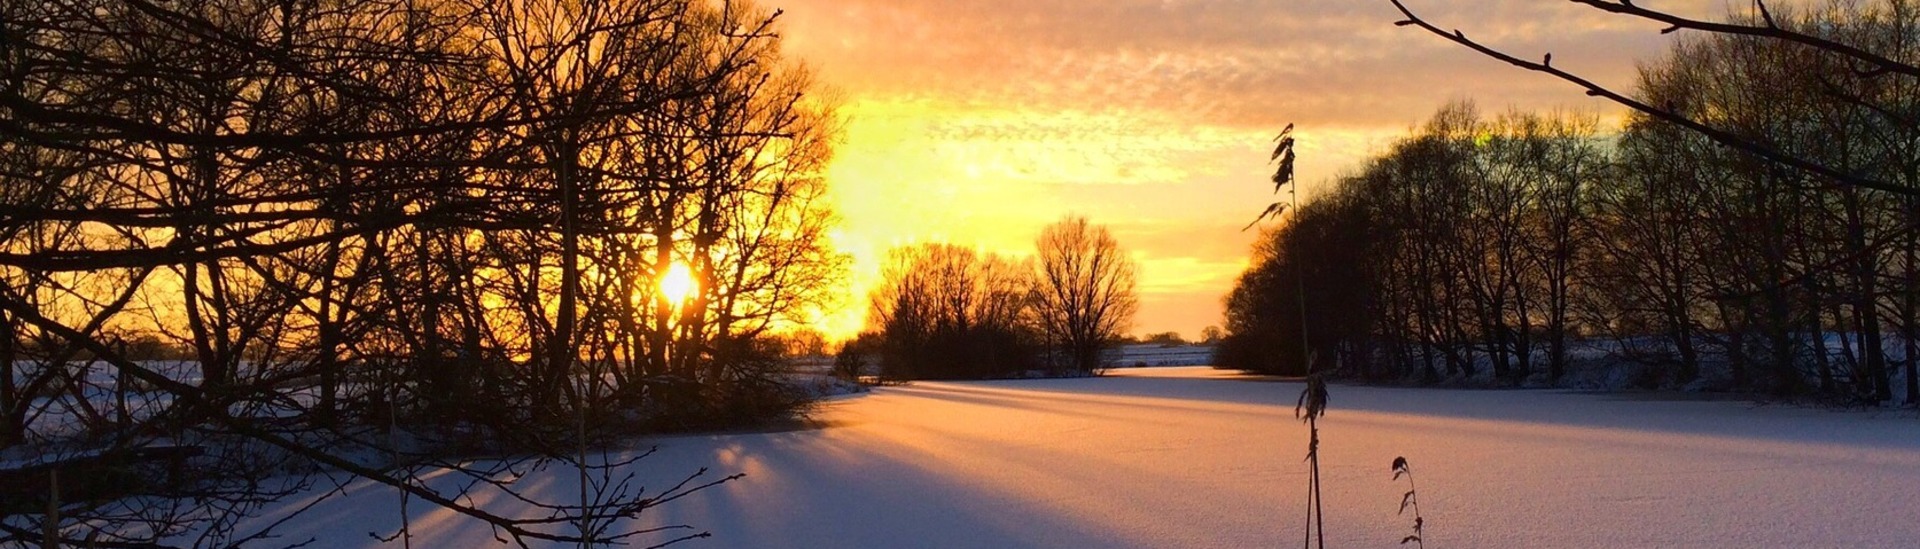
x: 560, y: 351
x: 1908, y: 294
x: 1682, y: 334
x: 327, y: 361
x: 432, y: 371
x: 1821, y: 361
x: 660, y: 337
x: 13, y: 427
x: 50, y: 523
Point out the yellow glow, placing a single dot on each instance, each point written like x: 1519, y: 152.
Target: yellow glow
x: 678, y: 284
x: 990, y: 177
x: 950, y: 134
x: 951, y: 155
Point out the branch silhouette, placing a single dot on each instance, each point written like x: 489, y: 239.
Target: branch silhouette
x: 1882, y: 64
x: 1722, y: 137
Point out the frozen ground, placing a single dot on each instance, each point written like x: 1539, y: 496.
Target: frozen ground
x: 1192, y: 457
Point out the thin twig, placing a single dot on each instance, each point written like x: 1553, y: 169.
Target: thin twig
x: 1723, y: 137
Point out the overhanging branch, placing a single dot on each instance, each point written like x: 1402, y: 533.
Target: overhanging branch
x: 1725, y: 138
x: 1881, y: 64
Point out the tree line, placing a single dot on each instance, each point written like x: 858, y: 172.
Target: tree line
x: 1526, y: 247
x: 343, y: 219
x: 944, y: 311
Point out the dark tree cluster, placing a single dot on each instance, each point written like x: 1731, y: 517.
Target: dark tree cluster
x: 286, y: 235
x: 950, y: 312
x: 1458, y: 243
x: 1520, y: 248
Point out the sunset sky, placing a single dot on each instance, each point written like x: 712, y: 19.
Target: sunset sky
x: 979, y: 122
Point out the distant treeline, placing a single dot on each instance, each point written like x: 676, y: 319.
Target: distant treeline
x: 944, y: 311
x: 1523, y: 246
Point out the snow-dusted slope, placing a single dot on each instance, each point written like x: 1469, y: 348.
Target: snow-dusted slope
x: 1191, y: 457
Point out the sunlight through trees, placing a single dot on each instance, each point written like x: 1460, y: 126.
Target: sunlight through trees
x: 414, y: 231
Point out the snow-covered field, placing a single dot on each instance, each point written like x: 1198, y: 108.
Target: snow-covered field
x: 1193, y: 457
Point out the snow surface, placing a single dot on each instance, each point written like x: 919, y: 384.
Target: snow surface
x: 1194, y: 457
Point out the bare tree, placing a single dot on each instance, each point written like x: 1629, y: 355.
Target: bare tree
x: 1083, y: 291
x: 1767, y: 28
x: 1788, y: 131
x: 379, y: 229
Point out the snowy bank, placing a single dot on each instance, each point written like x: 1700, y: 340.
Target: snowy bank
x: 1194, y: 457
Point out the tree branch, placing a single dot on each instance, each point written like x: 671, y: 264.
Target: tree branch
x: 1719, y: 136
x: 1881, y: 63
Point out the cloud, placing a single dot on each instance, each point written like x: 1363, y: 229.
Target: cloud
x: 1231, y: 63
x: 979, y: 122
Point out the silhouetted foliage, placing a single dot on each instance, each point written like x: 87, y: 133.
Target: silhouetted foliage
x: 1791, y: 133
x: 290, y: 234
x: 948, y: 312
x: 1524, y: 248
x: 1163, y: 338
x: 1264, y: 308
x: 1212, y: 334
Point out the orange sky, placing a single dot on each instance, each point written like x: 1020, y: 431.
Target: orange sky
x: 979, y: 122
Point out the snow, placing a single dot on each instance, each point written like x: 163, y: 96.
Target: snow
x: 1193, y: 457
x: 1626, y: 363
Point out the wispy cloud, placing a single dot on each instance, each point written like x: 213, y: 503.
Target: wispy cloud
x: 981, y: 121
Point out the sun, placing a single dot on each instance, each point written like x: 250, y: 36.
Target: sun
x: 678, y: 283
